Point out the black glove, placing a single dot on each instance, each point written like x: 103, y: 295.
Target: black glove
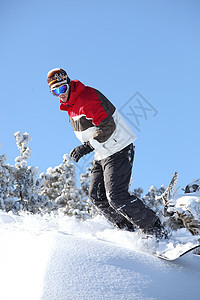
x: 80, y: 151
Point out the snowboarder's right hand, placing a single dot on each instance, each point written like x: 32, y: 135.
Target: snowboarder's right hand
x: 80, y: 151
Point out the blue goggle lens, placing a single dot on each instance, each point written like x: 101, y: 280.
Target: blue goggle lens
x: 60, y: 90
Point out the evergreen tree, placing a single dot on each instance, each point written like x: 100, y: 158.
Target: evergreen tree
x: 152, y: 200
x: 27, y: 185
x: 7, y: 180
x: 138, y: 192
x: 60, y: 186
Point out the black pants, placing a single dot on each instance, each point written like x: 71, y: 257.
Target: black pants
x: 110, y: 178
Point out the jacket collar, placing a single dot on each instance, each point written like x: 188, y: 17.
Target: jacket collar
x: 75, y: 89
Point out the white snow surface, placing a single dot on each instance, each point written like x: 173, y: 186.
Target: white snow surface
x: 61, y: 258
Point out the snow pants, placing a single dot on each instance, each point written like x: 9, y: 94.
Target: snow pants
x: 110, y: 178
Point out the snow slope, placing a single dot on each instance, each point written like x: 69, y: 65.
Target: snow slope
x: 61, y: 258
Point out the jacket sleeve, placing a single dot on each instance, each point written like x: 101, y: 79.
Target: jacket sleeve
x: 104, y: 130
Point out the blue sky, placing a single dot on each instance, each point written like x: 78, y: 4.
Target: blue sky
x: 119, y: 47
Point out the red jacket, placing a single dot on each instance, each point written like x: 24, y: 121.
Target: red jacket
x: 95, y: 119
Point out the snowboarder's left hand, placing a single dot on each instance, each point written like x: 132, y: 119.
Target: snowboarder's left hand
x: 80, y: 151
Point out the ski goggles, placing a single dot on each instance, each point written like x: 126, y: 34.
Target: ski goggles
x: 63, y: 89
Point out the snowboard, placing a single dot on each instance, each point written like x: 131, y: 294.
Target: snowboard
x: 177, y: 245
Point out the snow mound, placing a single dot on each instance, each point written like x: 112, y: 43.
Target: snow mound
x: 51, y: 258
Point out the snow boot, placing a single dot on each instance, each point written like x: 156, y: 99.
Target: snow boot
x: 157, y: 231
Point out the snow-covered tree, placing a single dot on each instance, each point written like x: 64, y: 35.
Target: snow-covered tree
x: 138, y: 192
x: 7, y: 180
x: 185, y: 209
x: 60, y: 186
x: 27, y: 185
x: 151, y: 199
x: 21, y: 189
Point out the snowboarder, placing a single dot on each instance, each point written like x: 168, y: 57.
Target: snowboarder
x: 100, y: 128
